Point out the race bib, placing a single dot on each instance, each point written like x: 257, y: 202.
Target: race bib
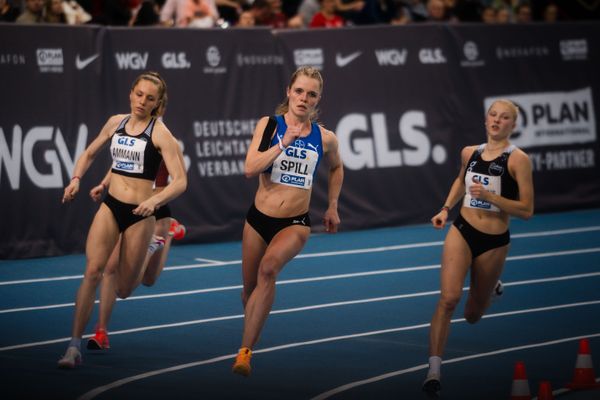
x: 128, y: 154
x: 490, y: 183
x: 295, y: 167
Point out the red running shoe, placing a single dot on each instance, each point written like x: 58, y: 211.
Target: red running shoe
x: 99, y: 341
x: 177, y: 230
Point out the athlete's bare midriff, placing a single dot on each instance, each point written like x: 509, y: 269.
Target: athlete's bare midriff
x: 130, y: 190
x: 280, y: 201
x: 486, y: 221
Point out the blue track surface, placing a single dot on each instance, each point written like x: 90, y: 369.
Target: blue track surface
x: 350, y: 321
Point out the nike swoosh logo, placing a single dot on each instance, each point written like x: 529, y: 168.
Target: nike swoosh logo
x: 342, y: 61
x: 81, y: 64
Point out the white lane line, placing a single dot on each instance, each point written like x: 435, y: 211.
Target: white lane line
x: 295, y: 309
x: 392, y: 374
x: 301, y: 280
x: 215, y: 263
x: 101, y: 389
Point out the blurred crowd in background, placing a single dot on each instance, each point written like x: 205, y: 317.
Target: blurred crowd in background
x: 293, y: 14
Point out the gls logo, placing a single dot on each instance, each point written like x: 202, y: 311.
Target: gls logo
x: 360, y: 152
x: 484, y: 180
x: 175, y: 61
x: 296, y: 153
x: 126, y: 141
x: 23, y: 148
x: 432, y: 56
x: 132, y: 60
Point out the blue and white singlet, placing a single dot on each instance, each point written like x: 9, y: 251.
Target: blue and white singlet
x: 297, y: 165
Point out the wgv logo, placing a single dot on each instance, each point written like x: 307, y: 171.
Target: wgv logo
x: 126, y: 141
x: 391, y: 57
x: 41, y: 149
x: 132, y: 60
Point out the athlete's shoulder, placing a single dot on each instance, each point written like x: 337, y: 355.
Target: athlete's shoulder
x: 469, y: 150
x: 326, y: 134
x: 518, y: 155
x: 116, y: 119
x: 112, y: 123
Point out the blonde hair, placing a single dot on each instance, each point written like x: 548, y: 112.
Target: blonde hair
x: 155, y: 78
x: 310, y: 72
x: 514, y: 110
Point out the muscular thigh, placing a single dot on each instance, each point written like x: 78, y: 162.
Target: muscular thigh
x: 456, y: 260
x: 253, y: 249
x: 134, y: 242
x: 487, y: 269
x: 102, y: 237
x: 287, y: 243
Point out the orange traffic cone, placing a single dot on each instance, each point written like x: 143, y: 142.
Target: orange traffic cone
x: 584, y: 377
x: 520, y: 384
x: 545, y: 391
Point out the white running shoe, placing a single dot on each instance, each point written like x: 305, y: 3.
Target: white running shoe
x: 71, y: 359
x: 432, y: 386
x: 498, y: 290
x: 157, y: 243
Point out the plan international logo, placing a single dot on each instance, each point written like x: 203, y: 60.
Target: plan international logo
x: 309, y: 57
x: 574, y: 49
x: 50, y: 60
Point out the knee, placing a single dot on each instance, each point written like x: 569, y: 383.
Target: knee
x: 472, y: 316
x: 124, y: 293
x: 269, y: 269
x: 93, y: 276
x: 472, y: 313
x: 448, y: 303
x: 148, y: 281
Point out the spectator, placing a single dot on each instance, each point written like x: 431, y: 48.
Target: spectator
x: 503, y: 16
x: 246, y: 20
x: 33, y: 12
x: 268, y: 13
x: 417, y: 10
x: 436, y: 11
x: 147, y: 15
x: 523, y: 13
x: 359, y: 12
x: 326, y: 17
x: 8, y: 12
x: 488, y: 15
x: 400, y: 16
x: 307, y: 10
x: 54, y: 12
x: 550, y: 13
x: 230, y: 10
x: 188, y: 13
x: 509, y: 6
x: 75, y: 13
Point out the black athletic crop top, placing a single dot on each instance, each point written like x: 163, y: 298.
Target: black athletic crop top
x: 493, y: 175
x: 135, y: 156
